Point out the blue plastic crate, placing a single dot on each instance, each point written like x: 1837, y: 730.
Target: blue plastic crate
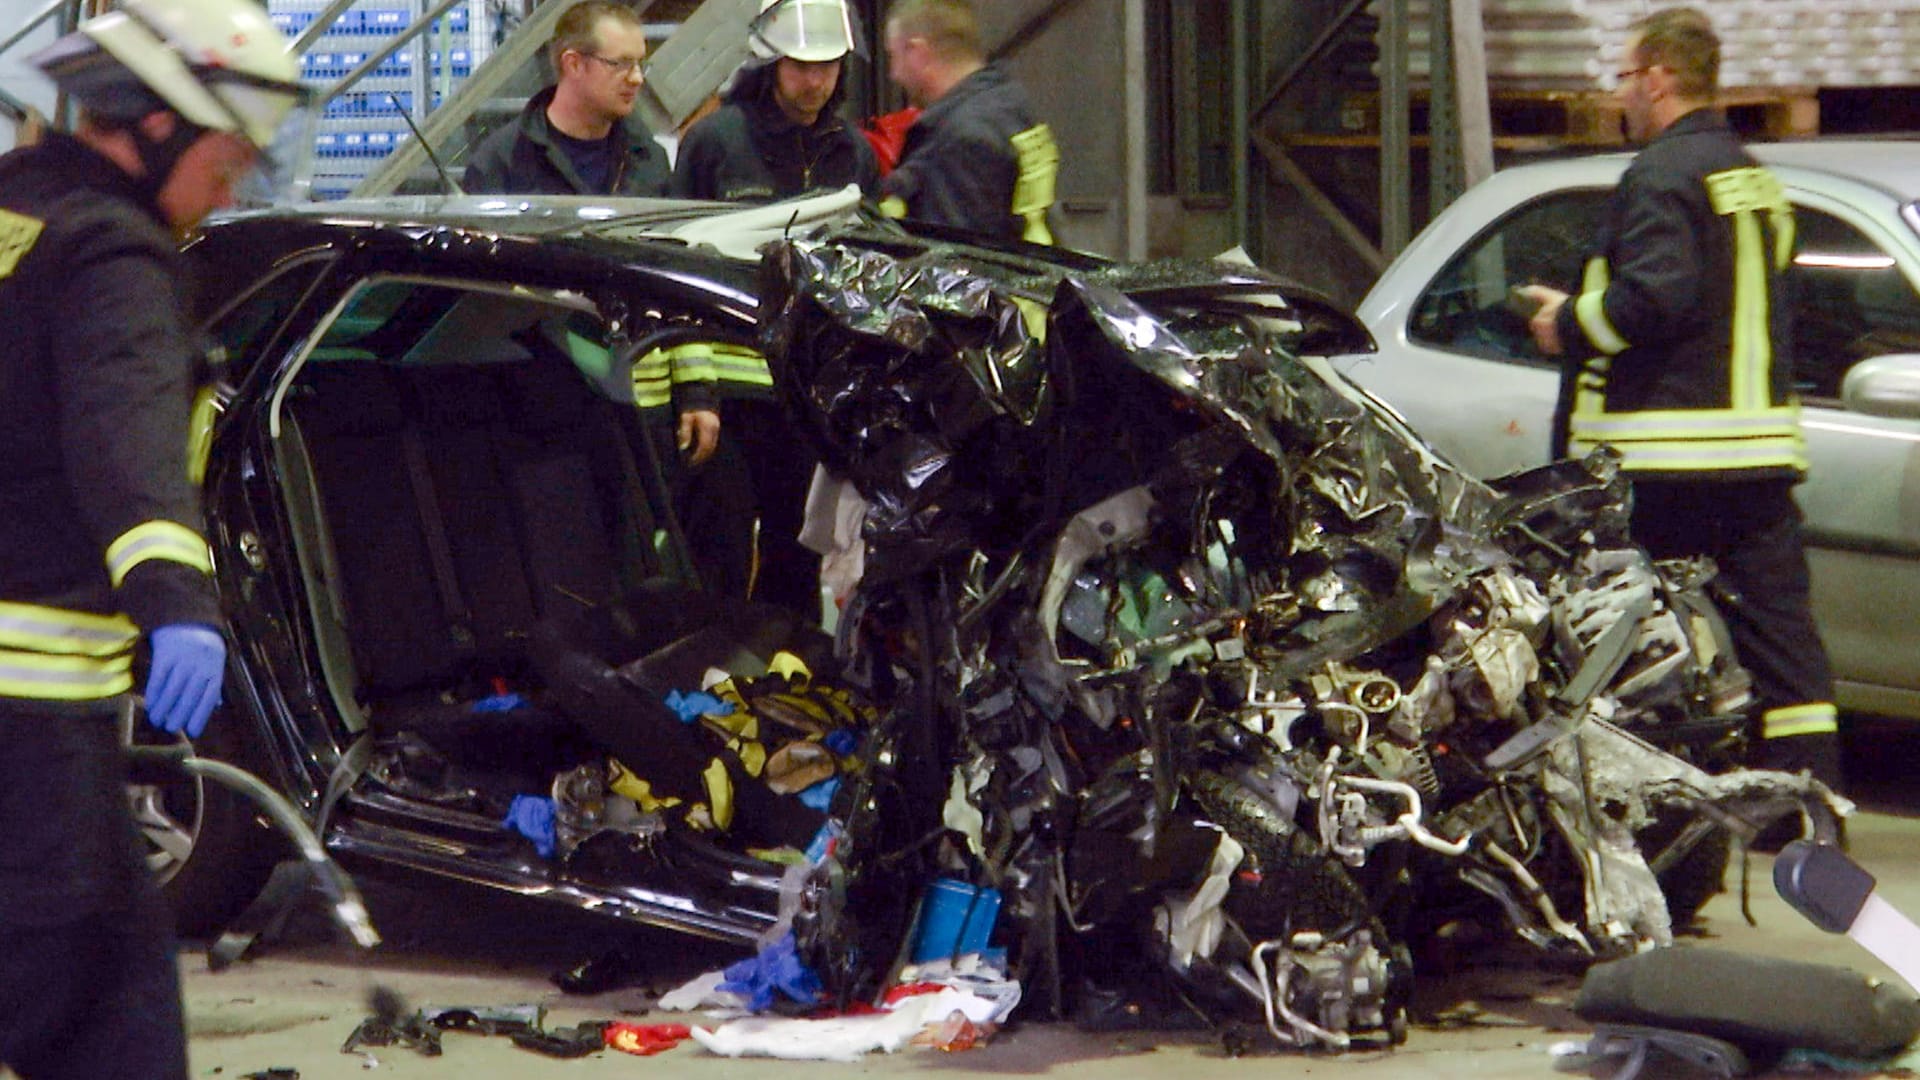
x: 389, y: 104
x: 384, y: 20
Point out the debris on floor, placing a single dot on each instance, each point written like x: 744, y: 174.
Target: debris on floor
x: 645, y: 1040
x: 947, y: 1018
x: 392, y: 1024
x: 776, y: 969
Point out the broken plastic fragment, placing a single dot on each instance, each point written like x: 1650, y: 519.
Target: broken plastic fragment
x: 645, y: 1040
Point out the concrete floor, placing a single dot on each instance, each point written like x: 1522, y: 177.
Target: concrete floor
x: 295, y: 1005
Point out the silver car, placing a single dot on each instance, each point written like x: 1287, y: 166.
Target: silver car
x: 1457, y: 361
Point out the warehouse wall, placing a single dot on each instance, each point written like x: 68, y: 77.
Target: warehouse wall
x: 16, y: 77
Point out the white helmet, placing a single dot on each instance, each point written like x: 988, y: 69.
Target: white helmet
x: 220, y: 64
x: 810, y: 30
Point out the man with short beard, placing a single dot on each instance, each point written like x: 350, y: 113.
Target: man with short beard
x: 777, y: 133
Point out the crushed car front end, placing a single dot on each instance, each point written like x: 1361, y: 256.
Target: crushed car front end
x: 1211, y: 672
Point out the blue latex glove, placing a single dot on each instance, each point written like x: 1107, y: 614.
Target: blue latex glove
x: 776, y: 968
x: 532, y: 817
x: 691, y: 707
x: 189, y: 664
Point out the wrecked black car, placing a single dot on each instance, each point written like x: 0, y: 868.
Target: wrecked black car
x: 1152, y: 630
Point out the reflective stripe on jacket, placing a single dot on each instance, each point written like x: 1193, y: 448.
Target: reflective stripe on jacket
x: 732, y: 369
x: 1682, y: 314
x: 49, y: 653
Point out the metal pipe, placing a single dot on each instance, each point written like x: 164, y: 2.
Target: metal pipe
x: 422, y: 76
x: 320, y: 25
x: 347, y: 907
x: 1134, y: 65
x: 379, y: 56
x: 1396, y: 137
x: 1280, y: 162
x: 52, y: 9
x: 1240, y: 37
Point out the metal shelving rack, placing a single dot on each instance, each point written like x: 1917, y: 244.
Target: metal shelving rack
x: 360, y: 120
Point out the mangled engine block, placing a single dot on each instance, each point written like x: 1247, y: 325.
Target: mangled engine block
x: 1199, y: 657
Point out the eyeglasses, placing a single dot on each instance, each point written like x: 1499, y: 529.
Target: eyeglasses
x: 621, y: 67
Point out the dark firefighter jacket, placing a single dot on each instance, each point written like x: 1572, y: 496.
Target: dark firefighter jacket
x: 521, y: 158
x: 750, y: 151
x: 979, y: 159
x: 99, y: 526
x: 1680, y: 331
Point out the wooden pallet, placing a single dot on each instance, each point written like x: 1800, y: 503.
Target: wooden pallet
x: 1594, y: 117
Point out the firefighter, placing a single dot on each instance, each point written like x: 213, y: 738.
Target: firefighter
x: 977, y: 157
x: 1681, y: 360
x: 100, y: 539
x: 778, y: 133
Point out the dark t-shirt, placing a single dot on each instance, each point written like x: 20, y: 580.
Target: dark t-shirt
x: 592, y: 159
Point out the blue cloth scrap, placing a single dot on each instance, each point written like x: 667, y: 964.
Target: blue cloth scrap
x: 691, y: 707
x: 532, y: 817
x: 841, y: 741
x: 777, y: 968
x: 820, y: 796
x: 499, y: 703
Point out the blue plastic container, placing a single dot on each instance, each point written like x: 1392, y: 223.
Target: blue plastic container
x: 955, y: 919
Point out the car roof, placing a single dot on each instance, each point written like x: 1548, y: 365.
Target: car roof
x: 733, y: 230
x: 1892, y: 165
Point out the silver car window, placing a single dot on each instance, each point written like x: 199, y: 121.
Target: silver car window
x: 1851, y: 303
x: 1465, y: 308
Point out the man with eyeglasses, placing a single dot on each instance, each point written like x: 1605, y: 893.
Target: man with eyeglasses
x: 579, y: 136
x: 1678, y: 354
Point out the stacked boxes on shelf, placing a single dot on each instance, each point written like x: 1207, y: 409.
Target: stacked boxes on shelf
x: 1578, y: 44
x: 363, y: 123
